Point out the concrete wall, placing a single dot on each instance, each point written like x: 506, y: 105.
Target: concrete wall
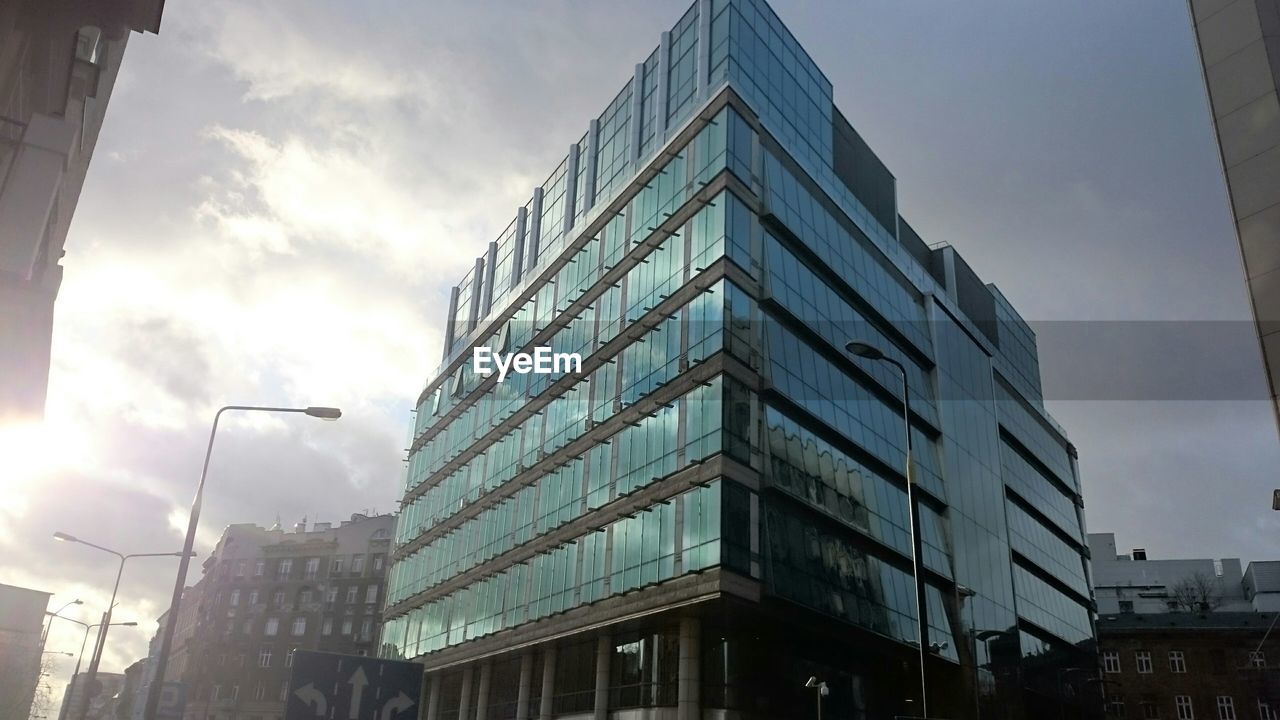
x: 1149, y: 584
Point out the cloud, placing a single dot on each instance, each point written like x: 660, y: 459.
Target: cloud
x: 285, y: 191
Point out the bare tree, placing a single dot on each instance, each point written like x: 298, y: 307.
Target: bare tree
x: 43, y: 698
x: 1198, y: 593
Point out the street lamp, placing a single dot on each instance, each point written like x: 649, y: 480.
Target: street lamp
x: 45, y: 636
x: 821, y: 689
x: 871, y: 352
x: 171, y: 618
x: 85, y: 639
x: 96, y: 658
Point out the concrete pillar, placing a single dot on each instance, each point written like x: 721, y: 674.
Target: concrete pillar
x: 526, y: 686
x: 662, y: 91
x: 570, y: 189
x: 477, y: 290
x: 548, y: 681
x: 593, y: 148
x: 482, y: 699
x: 464, y: 705
x: 433, y: 699
x: 633, y: 130
x: 490, y: 262
x: 450, y: 331
x: 532, y: 246
x: 517, y: 256
x: 702, y: 81
x: 689, y: 691
x: 604, y: 652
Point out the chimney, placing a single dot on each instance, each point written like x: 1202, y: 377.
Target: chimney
x: 301, y: 527
x: 1139, y: 554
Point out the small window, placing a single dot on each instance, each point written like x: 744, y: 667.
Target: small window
x: 1226, y: 708
x: 271, y: 628
x: 284, y: 568
x: 346, y: 626
x: 288, y: 658
x: 253, y: 597
x: 1126, y: 606
x: 260, y: 693
x: 240, y: 567
x: 377, y: 563
x: 336, y: 566
x: 1144, y: 661
x: 333, y: 595
x: 1257, y: 659
x: 284, y: 691
x: 371, y: 594
x: 1115, y: 706
x: 259, y: 568
x: 1111, y: 661
x: 326, y: 627
x: 357, y: 564
x: 312, y: 569
x: 1184, y: 707
x: 235, y: 598
x: 277, y: 600
x: 1177, y: 661
x: 299, y: 626
x: 264, y: 657
x: 352, y: 593
x: 1264, y: 711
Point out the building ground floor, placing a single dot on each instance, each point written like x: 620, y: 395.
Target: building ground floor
x: 725, y: 658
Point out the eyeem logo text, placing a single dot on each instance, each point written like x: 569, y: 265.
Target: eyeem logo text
x: 542, y: 361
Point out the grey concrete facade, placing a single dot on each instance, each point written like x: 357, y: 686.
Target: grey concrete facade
x: 58, y: 65
x: 1130, y: 583
x: 1239, y: 43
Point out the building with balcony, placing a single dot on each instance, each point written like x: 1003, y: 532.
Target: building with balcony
x: 266, y: 593
x: 58, y: 64
x: 714, y: 507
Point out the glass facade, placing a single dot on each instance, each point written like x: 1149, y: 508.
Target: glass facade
x: 720, y: 463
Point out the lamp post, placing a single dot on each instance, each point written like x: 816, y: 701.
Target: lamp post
x: 83, y: 641
x: 96, y: 658
x: 966, y: 595
x: 820, y: 689
x: 171, y: 618
x: 44, y: 637
x: 871, y: 352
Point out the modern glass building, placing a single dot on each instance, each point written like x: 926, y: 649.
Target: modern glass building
x: 715, y: 508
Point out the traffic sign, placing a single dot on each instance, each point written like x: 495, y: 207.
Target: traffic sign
x: 328, y: 686
x: 173, y: 701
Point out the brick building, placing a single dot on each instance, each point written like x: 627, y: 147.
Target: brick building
x: 1190, y: 666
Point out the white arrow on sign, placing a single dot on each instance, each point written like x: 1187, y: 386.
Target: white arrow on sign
x: 312, y: 696
x: 399, y: 703
x: 357, y: 682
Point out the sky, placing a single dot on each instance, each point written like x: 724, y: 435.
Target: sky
x: 283, y: 193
